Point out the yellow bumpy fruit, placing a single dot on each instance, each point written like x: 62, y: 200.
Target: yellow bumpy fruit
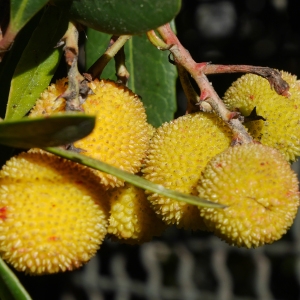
x: 261, y: 192
x: 178, y: 153
x: 53, y: 213
x: 50, y: 101
x: 132, y: 220
x: 121, y: 134
x: 281, y: 129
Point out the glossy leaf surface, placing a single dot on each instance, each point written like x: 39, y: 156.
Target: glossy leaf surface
x: 21, y: 11
x: 37, y: 64
x: 122, y: 17
x: 11, y: 59
x: 46, y: 132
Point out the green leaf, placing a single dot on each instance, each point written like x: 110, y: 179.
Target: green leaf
x: 151, y: 75
x: 37, y: 64
x: 133, y: 179
x: 153, y: 78
x: 21, y: 11
x: 10, y: 286
x: 11, y: 59
x: 46, y: 132
x: 95, y: 45
x: 122, y: 17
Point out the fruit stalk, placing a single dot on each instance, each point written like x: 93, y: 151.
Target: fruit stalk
x: 273, y: 76
x: 70, y: 41
x: 208, y: 94
x: 116, y: 43
x: 191, y: 95
x: 121, y: 70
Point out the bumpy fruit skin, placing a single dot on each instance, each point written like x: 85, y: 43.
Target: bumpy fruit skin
x: 178, y: 152
x: 132, y: 220
x: 281, y: 129
x: 53, y: 213
x: 260, y: 189
x: 120, y: 137
x: 50, y: 101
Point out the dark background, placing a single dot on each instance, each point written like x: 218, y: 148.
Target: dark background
x: 253, y: 32
x: 256, y: 32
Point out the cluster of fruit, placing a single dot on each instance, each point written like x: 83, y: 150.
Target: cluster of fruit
x: 55, y: 213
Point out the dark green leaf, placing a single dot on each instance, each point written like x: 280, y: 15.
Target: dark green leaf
x: 21, y: 11
x: 133, y: 179
x: 153, y: 78
x: 11, y: 59
x: 46, y: 132
x: 10, y: 286
x: 151, y: 75
x: 122, y: 17
x: 37, y: 64
x: 95, y: 46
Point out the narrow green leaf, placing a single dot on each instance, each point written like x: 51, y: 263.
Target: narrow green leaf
x: 46, y: 132
x: 122, y: 17
x: 151, y: 75
x: 37, y: 64
x: 21, y: 11
x: 10, y: 286
x: 133, y: 179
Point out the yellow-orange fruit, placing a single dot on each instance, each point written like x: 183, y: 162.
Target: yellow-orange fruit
x: 53, y: 213
x: 120, y: 137
x: 151, y: 130
x: 281, y: 129
x: 261, y: 192
x: 50, y: 101
x: 132, y: 220
x: 178, y: 152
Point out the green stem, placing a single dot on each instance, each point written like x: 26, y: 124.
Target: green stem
x: 11, y: 287
x: 157, y: 41
x: 133, y: 179
x: 97, y: 68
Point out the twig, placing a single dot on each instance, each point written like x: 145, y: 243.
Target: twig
x: 182, y: 57
x: 121, y: 70
x: 157, y: 41
x: 273, y: 76
x: 77, y: 89
x: 115, y: 45
x: 192, y: 96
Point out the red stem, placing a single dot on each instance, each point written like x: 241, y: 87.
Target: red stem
x: 182, y: 57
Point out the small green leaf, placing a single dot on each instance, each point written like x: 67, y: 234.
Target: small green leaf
x: 46, y: 132
x: 151, y: 75
x: 133, y: 179
x: 37, y: 64
x: 21, y: 11
x: 122, y: 17
x: 10, y: 286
